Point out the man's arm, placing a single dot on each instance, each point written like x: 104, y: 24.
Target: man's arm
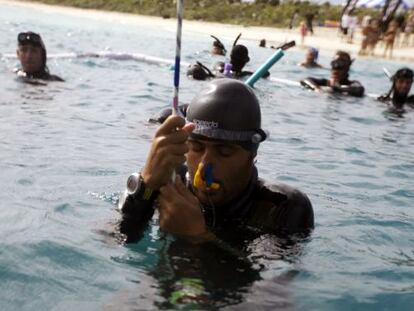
x: 313, y: 83
x: 354, y: 89
x: 166, y: 154
x: 136, y: 213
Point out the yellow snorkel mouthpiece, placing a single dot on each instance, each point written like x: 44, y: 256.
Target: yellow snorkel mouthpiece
x: 204, y: 176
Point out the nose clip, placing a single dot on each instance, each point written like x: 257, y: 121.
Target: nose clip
x: 204, y: 176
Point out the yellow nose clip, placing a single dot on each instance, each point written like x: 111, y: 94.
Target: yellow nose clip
x: 207, y: 179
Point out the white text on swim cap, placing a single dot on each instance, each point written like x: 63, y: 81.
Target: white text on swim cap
x: 201, y: 124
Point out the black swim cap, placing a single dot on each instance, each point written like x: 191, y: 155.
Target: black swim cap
x: 227, y: 110
x: 403, y: 73
x: 239, y: 54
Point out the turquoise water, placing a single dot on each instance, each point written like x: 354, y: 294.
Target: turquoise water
x: 67, y: 148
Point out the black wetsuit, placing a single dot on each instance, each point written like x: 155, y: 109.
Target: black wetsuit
x: 353, y: 88
x: 41, y: 75
x: 277, y: 209
x: 397, y: 101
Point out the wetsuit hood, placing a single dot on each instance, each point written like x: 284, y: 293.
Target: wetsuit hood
x: 34, y: 39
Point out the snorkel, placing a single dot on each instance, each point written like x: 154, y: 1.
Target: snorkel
x: 203, y: 177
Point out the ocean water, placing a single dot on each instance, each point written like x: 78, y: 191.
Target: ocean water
x: 67, y: 148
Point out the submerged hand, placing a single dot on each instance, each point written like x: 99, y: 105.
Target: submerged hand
x: 180, y: 211
x: 167, y: 151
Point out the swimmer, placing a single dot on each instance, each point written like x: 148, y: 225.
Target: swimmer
x: 262, y: 43
x: 311, y: 60
x: 339, y: 81
x: 218, y: 47
x: 398, y: 95
x: 31, y: 52
x: 239, y: 57
x: 217, y: 187
x: 198, y: 71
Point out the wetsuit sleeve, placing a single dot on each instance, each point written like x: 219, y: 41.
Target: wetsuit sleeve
x: 313, y: 83
x: 355, y: 88
x: 285, y: 210
x: 136, y: 214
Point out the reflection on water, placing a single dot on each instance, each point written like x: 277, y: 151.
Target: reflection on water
x: 67, y: 148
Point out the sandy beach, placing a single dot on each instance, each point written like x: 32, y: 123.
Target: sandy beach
x: 326, y: 39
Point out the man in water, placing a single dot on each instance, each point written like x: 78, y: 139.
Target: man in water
x: 218, y: 47
x: 311, y: 60
x: 31, y: 52
x: 339, y: 81
x: 397, y: 96
x: 217, y: 188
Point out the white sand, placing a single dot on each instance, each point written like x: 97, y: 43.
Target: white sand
x: 326, y: 39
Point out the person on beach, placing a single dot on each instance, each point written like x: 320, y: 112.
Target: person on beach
x: 311, y: 60
x: 339, y: 81
x: 398, y: 95
x: 389, y: 38
x: 309, y: 22
x: 352, y: 26
x: 303, y: 30
x: 217, y: 189
x: 293, y: 18
x: 31, y: 52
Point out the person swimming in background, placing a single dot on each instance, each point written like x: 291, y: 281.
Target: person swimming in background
x: 218, y: 47
x: 339, y: 81
x: 311, y: 60
x: 262, y: 43
x: 398, y: 95
x: 198, y: 71
x: 239, y: 57
x: 31, y: 52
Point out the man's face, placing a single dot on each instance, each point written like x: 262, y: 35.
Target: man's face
x: 232, y: 169
x: 340, y: 69
x: 310, y: 57
x: 403, y: 86
x: 31, y: 58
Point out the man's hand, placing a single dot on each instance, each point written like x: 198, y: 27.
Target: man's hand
x: 167, y: 152
x: 180, y: 211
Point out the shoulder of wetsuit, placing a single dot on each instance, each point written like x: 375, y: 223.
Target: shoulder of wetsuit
x: 282, y: 209
x: 166, y: 112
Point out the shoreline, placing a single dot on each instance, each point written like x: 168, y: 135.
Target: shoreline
x: 325, y: 39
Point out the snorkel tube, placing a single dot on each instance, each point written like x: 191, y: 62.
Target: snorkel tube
x: 269, y: 63
x: 204, y: 175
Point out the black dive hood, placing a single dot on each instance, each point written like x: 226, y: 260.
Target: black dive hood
x: 227, y: 110
x: 34, y: 39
